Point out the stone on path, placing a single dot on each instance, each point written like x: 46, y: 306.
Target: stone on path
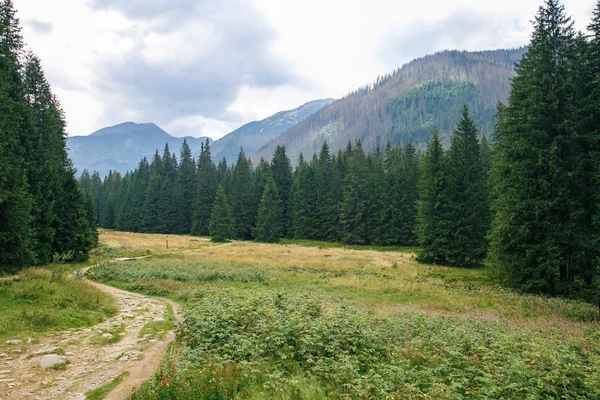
x: 14, y: 341
x: 51, y: 360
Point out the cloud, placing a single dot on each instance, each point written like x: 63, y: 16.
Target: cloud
x: 142, y: 9
x: 166, y: 71
x: 461, y: 30
x: 39, y: 27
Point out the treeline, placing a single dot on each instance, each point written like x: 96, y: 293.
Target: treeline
x: 43, y: 212
x: 395, y: 196
x: 349, y: 196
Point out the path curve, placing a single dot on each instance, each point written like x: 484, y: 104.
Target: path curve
x: 143, y: 370
x: 90, y: 365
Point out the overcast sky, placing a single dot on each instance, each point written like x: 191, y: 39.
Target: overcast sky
x: 206, y: 67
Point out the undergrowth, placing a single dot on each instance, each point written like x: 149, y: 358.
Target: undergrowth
x: 261, y: 343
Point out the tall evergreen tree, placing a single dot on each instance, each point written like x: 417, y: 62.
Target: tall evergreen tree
x: 533, y: 237
x: 304, y: 202
x: 327, y: 207
x: 221, y: 221
x: 269, y: 223
x: 206, y: 191
x: 377, y: 198
x: 15, y: 201
x: 432, y: 205
x: 466, y: 196
x: 282, y: 174
x: 187, y: 184
x: 242, y: 199
x: 354, y: 211
x: 45, y: 152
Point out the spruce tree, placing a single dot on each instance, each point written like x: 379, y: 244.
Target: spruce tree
x: 187, y: 184
x: 242, y: 199
x: 304, y: 202
x: 467, y: 222
x: 45, y: 152
x: 533, y: 238
x: 15, y: 201
x: 354, y: 209
x: 269, y: 223
x: 432, y: 205
x: 221, y: 221
x: 261, y: 176
x: 206, y: 191
x: 326, y: 208
x: 377, y: 198
x: 282, y: 174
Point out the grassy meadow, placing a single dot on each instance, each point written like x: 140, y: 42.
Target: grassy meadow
x: 41, y: 300
x: 312, y: 320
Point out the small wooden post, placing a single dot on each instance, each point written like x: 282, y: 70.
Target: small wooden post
x: 167, y: 242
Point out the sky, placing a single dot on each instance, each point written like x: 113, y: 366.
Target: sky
x: 206, y: 67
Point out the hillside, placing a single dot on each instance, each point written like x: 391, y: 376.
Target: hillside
x: 256, y: 134
x: 407, y: 104
x: 121, y: 147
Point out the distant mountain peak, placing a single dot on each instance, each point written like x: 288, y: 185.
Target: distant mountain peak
x: 121, y: 147
x: 128, y: 127
x: 254, y: 135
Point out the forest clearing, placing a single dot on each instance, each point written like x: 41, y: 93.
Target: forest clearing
x: 311, y: 322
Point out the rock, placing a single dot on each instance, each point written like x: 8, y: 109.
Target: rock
x: 5, y: 371
x: 107, y: 335
x: 68, y: 353
x: 44, y: 351
x: 128, y: 315
x: 44, y: 383
x: 30, y: 340
x: 50, y: 360
x: 3, y: 355
x: 6, y: 380
x: 14, y: 341
x: 124, y: 358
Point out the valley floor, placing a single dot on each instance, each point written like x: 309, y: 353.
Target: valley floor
x: 299, y: 320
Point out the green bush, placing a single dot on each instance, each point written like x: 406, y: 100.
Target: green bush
x: 259, y: 344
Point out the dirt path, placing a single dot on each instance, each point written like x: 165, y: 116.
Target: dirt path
x: 92, y: 361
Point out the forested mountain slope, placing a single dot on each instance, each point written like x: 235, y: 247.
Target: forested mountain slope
x: 407, y: 104
x: 256, y: 134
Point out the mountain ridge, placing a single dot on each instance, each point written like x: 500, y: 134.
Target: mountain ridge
x: 121, y: 147
x: 378, y: 112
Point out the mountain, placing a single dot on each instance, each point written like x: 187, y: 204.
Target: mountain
x: 254, y: 135
x: 408, y: 104
x: 121, y: 147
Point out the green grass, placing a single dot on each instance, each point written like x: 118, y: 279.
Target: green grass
x: 335, y: 245
x: 43, y: 300
x: 115, y: 332
x: 158, y: 329
x: 102, y: 391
